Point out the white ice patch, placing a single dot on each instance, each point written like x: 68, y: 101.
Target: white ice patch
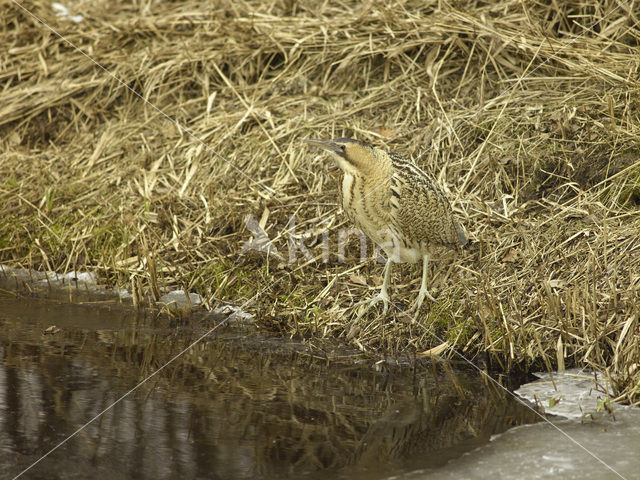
x: 73, y: 278
x: 233, y: 312
x: 124, y: 294
x: 568, y: 450
x: 603, y: 447
x: 87, y: 278
x: 569, y: 393
x: 180, y: 299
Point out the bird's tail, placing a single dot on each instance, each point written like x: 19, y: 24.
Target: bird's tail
x: 462, y: 235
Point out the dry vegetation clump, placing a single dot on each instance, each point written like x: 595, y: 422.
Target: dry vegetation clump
x: 527, y: 114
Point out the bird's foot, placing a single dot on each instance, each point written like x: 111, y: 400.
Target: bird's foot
x: 368, y: 305
x: 415, y: 308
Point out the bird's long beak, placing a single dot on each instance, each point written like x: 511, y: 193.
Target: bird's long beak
x: 328, y: 145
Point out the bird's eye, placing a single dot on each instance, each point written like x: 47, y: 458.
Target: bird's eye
x: 343, y: 148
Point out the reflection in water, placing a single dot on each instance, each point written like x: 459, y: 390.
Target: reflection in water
x: 235, y: 406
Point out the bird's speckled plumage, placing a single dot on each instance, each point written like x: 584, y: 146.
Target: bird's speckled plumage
x: 394, y: 203
x: 420, y: 210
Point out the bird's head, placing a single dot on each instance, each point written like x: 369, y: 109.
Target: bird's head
x: 351, y: 155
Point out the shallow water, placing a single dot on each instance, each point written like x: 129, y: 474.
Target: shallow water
x: 237, y: 405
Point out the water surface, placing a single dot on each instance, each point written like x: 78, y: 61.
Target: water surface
x: 238, y: 405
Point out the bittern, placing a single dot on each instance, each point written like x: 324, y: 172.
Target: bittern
x: 397, y: 205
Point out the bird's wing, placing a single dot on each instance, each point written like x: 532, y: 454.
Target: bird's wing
x: 421, y: 210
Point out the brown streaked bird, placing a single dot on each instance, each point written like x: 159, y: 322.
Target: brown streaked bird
x: 397, y: 205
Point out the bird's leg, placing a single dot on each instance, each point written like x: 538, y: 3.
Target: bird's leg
x: 424, y: 292
x: 383, y: 296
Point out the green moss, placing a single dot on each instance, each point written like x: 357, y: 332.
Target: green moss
x: 10, y: 183
x: 461, y: 331
x: 625, y: 192
x: 108, y: 237
x: 222, y: 276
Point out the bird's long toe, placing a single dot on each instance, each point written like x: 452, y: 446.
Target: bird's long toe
x: 372, y: 302
x: 415, y: 308
x: 368, y: 305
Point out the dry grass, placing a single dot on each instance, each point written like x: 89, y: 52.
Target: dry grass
x: 528, y: 119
